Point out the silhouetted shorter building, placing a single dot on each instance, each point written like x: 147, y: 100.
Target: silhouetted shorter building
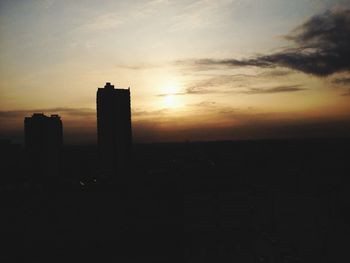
x: 43, y: 143
x: 113, y: 128
x: 10, y: 160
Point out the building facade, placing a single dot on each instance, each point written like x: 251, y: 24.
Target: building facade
x: 43, y: 143
x: 114, y: 133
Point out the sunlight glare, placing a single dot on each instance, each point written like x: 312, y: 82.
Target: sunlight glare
x: 171, y: 100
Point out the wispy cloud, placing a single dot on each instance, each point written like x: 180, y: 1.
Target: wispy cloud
x: 279, y: 89
x: 172, y: 94
x: 145, y: 113
x: 342, y: 81
x: 276, y: 73
x: 258, y: 90
x: 105, y: 21
x: 201, y: 14
x: 78, y: 112
x: 140, y: 66
x: 203, y: 104
x: 225, y: 80
x: 131, y: 12
x: 321, y: 48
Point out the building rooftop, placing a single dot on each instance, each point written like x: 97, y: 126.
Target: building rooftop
x: 43, y: 116
x: 109, y: 86
x: 38, y: 115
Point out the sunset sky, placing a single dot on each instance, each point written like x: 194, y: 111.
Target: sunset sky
x: 197, y: 70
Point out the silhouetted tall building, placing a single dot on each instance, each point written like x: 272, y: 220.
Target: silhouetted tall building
x: 113, y: 128
x: 43, y: 143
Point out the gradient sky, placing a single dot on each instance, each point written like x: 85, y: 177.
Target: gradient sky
x: 198, y: 70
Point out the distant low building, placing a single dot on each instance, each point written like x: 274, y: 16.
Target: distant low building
x: 113, y: 128
x: 43, y: 143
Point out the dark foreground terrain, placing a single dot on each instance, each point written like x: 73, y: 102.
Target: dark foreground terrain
x: 253, y: 201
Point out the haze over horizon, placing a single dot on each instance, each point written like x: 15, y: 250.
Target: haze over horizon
x: 197, y: 70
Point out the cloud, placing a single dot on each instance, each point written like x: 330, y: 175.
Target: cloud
x: 171, y: 94
x: 321, y: 48
x: 141, y: 66
x: 342, y: 81
x: 203, y: 104
x: 276, y: 73
x: 195, y: 90
x: 238, y: 80
x: 144, y: 113
x: 225, y: 80
x: 279, y: 89
x: 212, y: 84
x: 234, y: 83
x: 199, y: 90
x: 128, y: 13
x: 83, y: 112
x: 105, y: 21
x: 198, y: 14
x: 78, y: 112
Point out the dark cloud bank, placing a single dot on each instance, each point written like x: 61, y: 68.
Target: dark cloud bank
x: 321, y: 47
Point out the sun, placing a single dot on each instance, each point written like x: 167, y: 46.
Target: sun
x: 171, y: 98
x: 170, y: 101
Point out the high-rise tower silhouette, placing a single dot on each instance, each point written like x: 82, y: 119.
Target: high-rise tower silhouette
x: 43, y: 143
x: 113, y: 128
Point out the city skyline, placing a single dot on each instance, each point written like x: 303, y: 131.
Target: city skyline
x: 199, y: 70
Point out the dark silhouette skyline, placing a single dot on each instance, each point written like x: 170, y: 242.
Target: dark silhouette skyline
x: 44, y: 135
x: 248, y: 201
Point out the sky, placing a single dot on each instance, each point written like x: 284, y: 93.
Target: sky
x: 197, y: 70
